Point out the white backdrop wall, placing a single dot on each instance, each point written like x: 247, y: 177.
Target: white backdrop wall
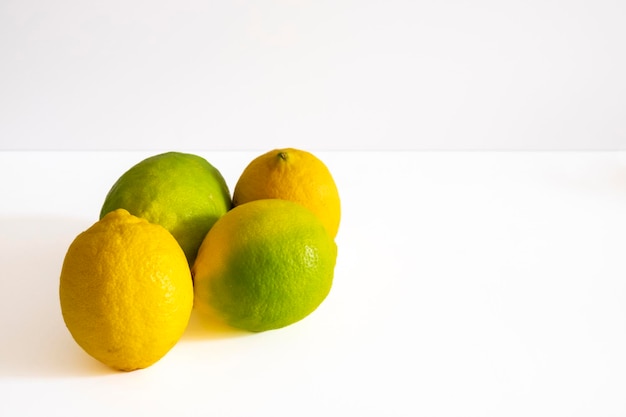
x: 322, y: 75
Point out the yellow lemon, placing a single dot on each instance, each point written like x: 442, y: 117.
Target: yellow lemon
x: 126, y: 291
x: 264, y: 265
x: 180, y: 191
x: 294, y: 175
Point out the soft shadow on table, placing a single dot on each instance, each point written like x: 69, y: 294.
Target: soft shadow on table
x: 203, y: 328
x: 35, y: 342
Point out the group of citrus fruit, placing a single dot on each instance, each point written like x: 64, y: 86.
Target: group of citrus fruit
x: 170, y: 237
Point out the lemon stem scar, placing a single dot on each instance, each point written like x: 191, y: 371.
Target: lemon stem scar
x: 282, y: 155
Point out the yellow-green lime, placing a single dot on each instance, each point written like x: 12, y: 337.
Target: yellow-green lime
x: 264, y: 265
x: 180, y: 191
x: 126, y: 291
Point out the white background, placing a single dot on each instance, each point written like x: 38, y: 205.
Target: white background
x: 321, y: 75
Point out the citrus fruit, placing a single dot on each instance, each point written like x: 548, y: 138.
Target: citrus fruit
x: 295, y: 175
x: 264, y: 265
x: 182, y: 192
x: 126, y: 291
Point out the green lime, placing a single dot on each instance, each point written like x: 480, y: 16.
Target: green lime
x: 182, y: 192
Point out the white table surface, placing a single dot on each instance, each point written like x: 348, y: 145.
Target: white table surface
x: 467, y: 284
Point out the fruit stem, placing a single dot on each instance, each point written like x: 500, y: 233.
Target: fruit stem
x: 282, y: 155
